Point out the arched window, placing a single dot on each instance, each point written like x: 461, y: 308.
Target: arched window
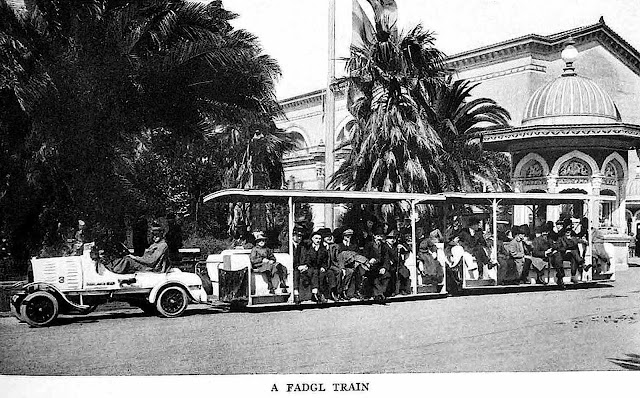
x: 606, y: 209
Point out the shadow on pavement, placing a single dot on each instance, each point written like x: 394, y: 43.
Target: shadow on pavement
x: 632, y: 362
x: 533, y: 288
x: 128, y: 314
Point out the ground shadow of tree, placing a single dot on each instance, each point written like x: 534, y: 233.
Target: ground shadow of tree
x: 632, y: 362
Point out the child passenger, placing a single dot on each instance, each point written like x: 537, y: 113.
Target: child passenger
x: 263, y: 260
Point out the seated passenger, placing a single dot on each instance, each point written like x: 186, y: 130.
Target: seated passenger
x: 377, y: 277
x: 347, y: 252
x: 455, y: 260
x: 154, y: 258
x: 568, y: 248
x: 333, y: 272
x: 313, y: 266
x: 472, y: 240
x: 515, y: 248
x: 298, y: 247
x: 367, y: 231
x: 264, y: 261
x: 430, y: 264
x: 506, y: 269
x: 545, y: 251
x: 400, y: 277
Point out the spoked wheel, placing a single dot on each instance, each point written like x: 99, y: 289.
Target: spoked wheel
x: 39, y: 309
x: 172, y: 301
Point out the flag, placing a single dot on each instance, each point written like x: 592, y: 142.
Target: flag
x: 362, y: 33
x: 386, y: 17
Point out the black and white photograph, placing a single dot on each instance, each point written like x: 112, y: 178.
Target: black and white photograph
x: 319, y: 197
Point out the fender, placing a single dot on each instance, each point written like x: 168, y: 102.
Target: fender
x: 36, y: 286
x: 156, y: 289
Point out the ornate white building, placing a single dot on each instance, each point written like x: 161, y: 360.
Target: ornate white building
x: 576, y: 127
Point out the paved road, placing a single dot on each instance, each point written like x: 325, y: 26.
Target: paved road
x: 528, y: 331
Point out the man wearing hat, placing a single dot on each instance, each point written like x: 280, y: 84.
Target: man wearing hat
x: 347, y: 252
x: 333, y: 272
x: 430, y: 264
x: 298, y: 246
x: 377, y: 276
x: 263, y: 260
x: 472, y: 241
x: 545, y: 251
x: 515, y: 248
x: 154, y: 258
x: 314, y: 262
x: 568, y: 248
x: 399, y: 276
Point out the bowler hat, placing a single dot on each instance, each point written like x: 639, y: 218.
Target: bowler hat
x: 260, y: 236
x: 324, y: 232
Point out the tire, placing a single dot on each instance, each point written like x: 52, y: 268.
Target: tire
x: 172, y: 301
x: 39, y: 309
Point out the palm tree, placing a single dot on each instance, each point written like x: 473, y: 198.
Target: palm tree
x: 460, y: 123
x: 393, y: 147
x: 114, y: 80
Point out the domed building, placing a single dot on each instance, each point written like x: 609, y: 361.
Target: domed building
x: 572, y: 139
x: 574, y: 99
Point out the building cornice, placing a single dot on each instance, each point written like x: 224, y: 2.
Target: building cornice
x: 542, y: 47
x: 628, y: 135
x: 533, y: 45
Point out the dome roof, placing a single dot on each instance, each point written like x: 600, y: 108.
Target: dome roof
x: 570, y: 99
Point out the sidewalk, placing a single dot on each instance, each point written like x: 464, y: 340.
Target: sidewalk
x: 634, y: 261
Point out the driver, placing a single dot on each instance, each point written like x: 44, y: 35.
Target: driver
x: 154, y: 258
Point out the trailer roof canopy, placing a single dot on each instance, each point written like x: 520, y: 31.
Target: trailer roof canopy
x: 319, y: 196
x: 323, y: 196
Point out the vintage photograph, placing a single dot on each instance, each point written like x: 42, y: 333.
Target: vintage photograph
x: 346, y: 189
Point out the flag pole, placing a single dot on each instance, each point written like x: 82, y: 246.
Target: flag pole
x: 329, y: 119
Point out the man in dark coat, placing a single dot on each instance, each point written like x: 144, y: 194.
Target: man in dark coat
x: 430, y: 266
x: 568, y: 248
x: 298, y: 247
x: 333, y: 272
x: 346, y: 262
x: 472, y: 241
x: 314, y: 264
x: 545, y: 249
x: 377, y: 275
x: 399, y: 278
x: 515, y: 248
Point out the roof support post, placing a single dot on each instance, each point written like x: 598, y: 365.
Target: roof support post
x: 292, y: 211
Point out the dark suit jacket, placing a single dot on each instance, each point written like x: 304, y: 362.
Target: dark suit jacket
x: 381, y: 254
x: 469, y: 242
x: 315, y: 258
